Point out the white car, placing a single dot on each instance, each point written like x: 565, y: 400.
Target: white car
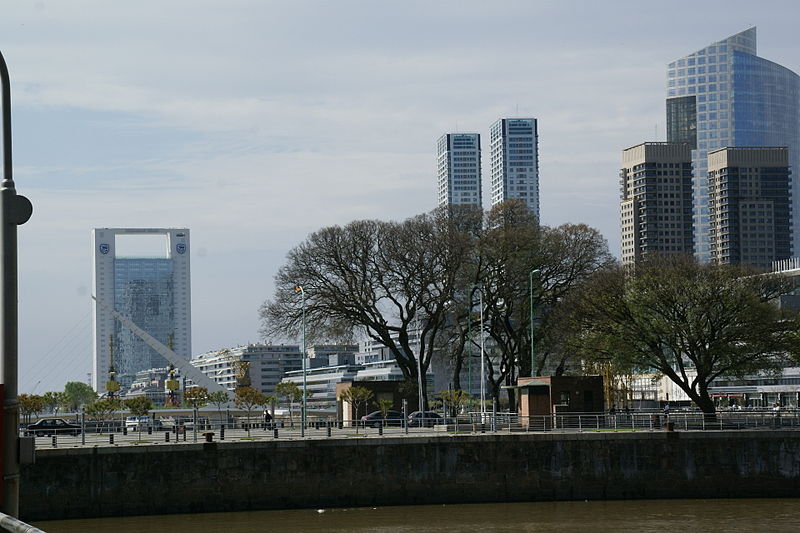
x: 141, y: 423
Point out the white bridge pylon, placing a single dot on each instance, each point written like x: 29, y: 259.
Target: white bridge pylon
x: 186, y: 368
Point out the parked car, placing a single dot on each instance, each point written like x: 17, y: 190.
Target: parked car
x: 52, y: 426
x: 141, y: 423
x: 425, y: 418
x: 376, y: 419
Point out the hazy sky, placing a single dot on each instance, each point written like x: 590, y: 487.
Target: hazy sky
x: 254, y: 123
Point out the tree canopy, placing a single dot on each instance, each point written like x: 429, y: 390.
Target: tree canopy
x: 691, y: 322
x: 413, y: 286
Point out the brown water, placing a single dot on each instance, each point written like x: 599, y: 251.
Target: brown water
x: 684, y: 516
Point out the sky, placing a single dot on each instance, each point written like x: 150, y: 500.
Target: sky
x: 255, y: 123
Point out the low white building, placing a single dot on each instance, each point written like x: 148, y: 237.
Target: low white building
x: 266, y: 364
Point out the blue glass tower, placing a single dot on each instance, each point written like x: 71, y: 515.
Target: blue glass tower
x: 724, y: 95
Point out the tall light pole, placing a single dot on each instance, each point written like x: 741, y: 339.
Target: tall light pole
x: 420, y: 395
x: 483, y: 369
x: 14, y: 210
x: 305, y: 383
x: 533, y: 344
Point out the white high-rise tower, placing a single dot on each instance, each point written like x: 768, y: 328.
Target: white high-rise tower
x: 152, y: 290
x: 459, y: 169
x: 515, y: 161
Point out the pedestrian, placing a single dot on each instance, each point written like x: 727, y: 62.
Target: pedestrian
x: 267, y: 420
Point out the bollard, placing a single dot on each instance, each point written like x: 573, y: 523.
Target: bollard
x: 111, y: 439
x: 380, y: 430
x: 184, y: 433
x: 341, y: 424
x: 275, y: 432
x: 329, y: 429
x: 166, y: 436
x: 222, y: 432
x: 55, y: 441
x: 282, y: 424
x: 124, y: 430
x: 149, y: 430
x: 483, y: 427
x: 209, y: 436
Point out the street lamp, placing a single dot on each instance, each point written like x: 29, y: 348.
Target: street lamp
x: 533, y: 349
x: 483, y: 351
x: 14, y: 210
x: 305, y: 383
x: 420, y: 396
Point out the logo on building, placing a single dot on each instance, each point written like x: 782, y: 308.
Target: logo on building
x: 104, y: 248
x: 180, y: 248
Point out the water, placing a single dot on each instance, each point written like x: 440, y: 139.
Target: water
x: 774, y: 515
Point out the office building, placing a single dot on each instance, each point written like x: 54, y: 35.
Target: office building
x: 459, y: 169
x: 152, y: 289
x: 515, y: 161
x: 656, y: 200
x: 725, y: 95
x: 749, y: 203
x: 261, y: 366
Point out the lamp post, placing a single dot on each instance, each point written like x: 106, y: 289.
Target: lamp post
x: 483, y: 369
x: 533, y: 349
x: 305, y: 383
x: 14, y: 210
x: 420, y: 396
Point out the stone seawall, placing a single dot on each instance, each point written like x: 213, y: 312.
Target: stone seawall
x: 192, y: 478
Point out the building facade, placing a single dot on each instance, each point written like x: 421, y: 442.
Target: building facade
x: 750, y: 211
x: 261, y: 366
x: 152, y: 292
x: 656, y: 200
x: 725, y: 95
x: 515, y: 161
x: 459, y: 169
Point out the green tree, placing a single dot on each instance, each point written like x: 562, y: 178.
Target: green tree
x: 248, y: 398
x: 138, y: 406
x: 29, y: 405
x: 384, y: 406
x: 196, y: 397
x: 455, y: 400
x: 357, y: 396
x: 52, y: 400
x: 691, y: 322
x: 102, y: 410
x: 77, y: 394
x: 290, y: 393
x: 219, y: 398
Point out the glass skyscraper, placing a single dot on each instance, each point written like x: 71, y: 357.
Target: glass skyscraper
x: 152, y: 292
x: 724, y: 95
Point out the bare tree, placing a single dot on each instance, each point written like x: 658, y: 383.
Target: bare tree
x: 393, y: 281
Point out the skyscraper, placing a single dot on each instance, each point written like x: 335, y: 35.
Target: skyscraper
x: 515, y: 161
x: 656, y: 200
x: 153, y: 292
x: 459, y: 169
x: 725, y: 95
x: 749, y: 205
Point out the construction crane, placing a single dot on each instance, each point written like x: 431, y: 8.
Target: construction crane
x: 186, y: 368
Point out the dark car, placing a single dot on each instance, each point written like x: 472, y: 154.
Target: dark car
x: 377, y: 419
x: 52, y: 426
x: 425, y: 418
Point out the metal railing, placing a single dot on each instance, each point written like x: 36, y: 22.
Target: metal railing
x: 9, y: 523
x: 470, y: 423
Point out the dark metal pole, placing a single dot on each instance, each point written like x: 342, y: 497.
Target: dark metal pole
x: 14, y: 210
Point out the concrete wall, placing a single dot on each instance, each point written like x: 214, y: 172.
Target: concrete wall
x: 160, y: 479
